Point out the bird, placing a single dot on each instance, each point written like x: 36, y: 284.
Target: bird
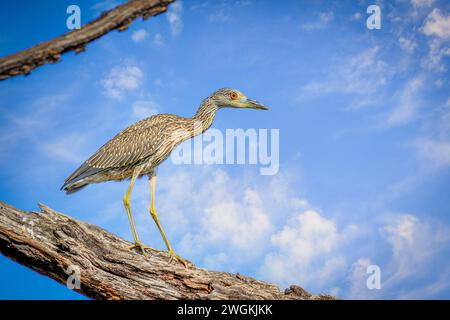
x: 140, y: 148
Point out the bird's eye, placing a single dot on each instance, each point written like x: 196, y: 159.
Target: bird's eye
x: 233, y: 95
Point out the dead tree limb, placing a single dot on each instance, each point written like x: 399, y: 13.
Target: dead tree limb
x: 57, y: 245
x: 50, y: 51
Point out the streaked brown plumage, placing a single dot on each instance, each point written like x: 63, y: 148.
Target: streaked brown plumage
x: 140, y: 148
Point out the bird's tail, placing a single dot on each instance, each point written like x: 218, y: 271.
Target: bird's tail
x: 79, y: 179
x: 73, y: 187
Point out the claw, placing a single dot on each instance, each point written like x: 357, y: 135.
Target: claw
x: 139, y: 246
x: 173, y: 256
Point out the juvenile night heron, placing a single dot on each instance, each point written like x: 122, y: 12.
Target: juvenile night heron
x: 140, y: 148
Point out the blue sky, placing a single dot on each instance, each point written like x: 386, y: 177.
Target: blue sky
x: 364, y: 120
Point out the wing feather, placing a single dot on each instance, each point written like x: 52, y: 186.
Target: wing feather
x: 131, y: 146
x: 128, y: 148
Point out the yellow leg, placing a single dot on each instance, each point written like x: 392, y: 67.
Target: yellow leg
x: 156, y: 219
x: 126, y: 201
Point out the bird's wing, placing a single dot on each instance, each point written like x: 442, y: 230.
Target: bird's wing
x: 130, y: 146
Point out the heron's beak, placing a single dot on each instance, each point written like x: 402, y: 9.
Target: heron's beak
x: 253, y: 104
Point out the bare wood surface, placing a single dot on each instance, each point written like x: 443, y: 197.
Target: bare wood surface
x: 55, y: 244
x: 50, y: 51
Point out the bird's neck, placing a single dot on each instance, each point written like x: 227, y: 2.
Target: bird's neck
x: 204, y: 117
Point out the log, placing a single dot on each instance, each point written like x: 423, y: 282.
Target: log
x: 23, y: 62
x: 61, y: 247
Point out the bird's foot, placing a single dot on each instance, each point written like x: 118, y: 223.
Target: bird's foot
x: 139, y: 246
x: 174, y: 256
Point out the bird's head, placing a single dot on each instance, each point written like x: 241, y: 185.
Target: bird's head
x: 232, y: 98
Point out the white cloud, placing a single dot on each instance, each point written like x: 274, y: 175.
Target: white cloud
x: 238, y: 218
x: 438, y: 83
x: 228, y: 223
x: 307, y: 251
x: 158, y: 40
x: 362, y: 74
x: 121, y: 79
x: 324, y: 18
x: 28, y: 126
x: 358, y: 279
x: 356, y: 16
x: 422, y: 3
x: 437, y: 25
x: 311, y: 234
x: 409, y: 103
x: 144, y: 108
x: 215, y: 261
x: 241, y: 223
x: 105, y: 5
x: 41, y: 111
x: 436, y: 52
x: 139, y: 35
x: 210, y: 210
x: 68, y: 148
x: 401, y: 233
x: 415, y: 244
x: 436, y: 153
x: 174, y: 17
x: 220, y: 15
x: 221, y: 11
x: 409, y: 45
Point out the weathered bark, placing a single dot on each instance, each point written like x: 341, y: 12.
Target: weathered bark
x: 50, y: 51
x: 55, y: 245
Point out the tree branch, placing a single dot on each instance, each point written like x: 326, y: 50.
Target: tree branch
x: 50, y: 51
x: 54, y: 245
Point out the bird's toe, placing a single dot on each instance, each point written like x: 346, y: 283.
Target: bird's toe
x: 174, y: 256
x: 139, y: 246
